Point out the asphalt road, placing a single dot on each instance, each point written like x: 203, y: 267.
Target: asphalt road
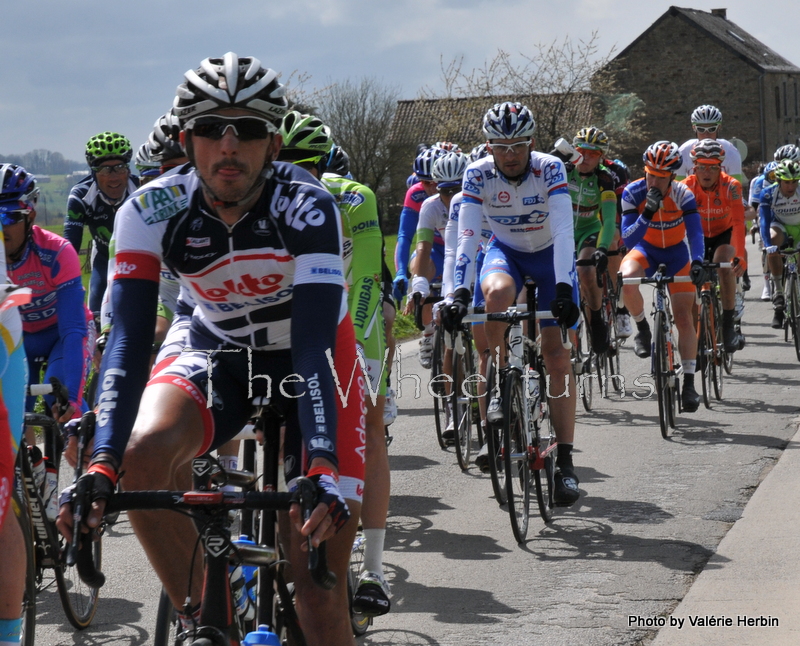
x: 651, y: 514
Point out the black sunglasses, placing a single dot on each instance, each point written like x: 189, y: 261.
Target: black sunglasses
x: 10, y: 218
x: 450, y: 190
x: 245, y: 128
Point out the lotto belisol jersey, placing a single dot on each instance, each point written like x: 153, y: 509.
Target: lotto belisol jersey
x: 241, y: 276
x: 527, y: 215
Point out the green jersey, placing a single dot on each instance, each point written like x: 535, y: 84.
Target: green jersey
x: 594, y: 205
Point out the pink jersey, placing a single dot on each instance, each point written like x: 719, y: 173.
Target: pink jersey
x: 48, y: 266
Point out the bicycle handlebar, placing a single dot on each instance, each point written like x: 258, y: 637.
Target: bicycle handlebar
x: 211, y: 501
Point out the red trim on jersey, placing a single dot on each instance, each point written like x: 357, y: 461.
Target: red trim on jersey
x: 137, y: 264
x: 199, y: 398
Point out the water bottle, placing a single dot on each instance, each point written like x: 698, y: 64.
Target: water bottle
x: 37, y: 465
x: 50, y: 497
x: 261, y: 637
x: 243, y: 585
x: 533, y: 385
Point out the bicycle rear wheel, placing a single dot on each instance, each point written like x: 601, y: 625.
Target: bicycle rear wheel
x: 516, y: 455
x: 794, y: 313
x: 661, y: 375
x: 494, y: 440
x: 78, y: 599
x: 583, y: 361
x: 461, y: 403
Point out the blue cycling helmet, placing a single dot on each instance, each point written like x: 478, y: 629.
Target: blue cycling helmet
x: 479, y: 152
x: 18, y: 194
x: 508, y: 121
x: 423, y: 164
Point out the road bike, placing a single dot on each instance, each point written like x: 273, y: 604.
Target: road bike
x: 528, y: 442
x: 35, y: 501
x: 711, y: 355
x: 665, y: 367
x: 463, y: 392
x: 791, y: 293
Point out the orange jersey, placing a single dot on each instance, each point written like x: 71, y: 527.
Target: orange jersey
x: 721, y: 208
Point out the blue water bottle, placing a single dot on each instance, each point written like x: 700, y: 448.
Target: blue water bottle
x: 261, y: 637
x: 243, y: 581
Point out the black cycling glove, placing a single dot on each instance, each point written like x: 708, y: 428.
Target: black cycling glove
x: 457, y: 310
x: 563, y: 307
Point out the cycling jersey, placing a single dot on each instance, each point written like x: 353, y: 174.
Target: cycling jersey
x: 409, y: 218
x: 88, y: 206
x: 526, y: 215
x: 776, y: 209
x: 271, y: 282
x: 363, y: 268
x: 451, y: 247
x: 55, y: 322
x: 757, y: 184
x: 732, y: 164
x: 675, y: 220
x: 594, y: 205
x: 721, y: 209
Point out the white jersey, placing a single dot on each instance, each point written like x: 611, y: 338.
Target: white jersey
x: 732, y: 164
x: 451, y: 244
x: 528, y: 215
x: 432, y: 216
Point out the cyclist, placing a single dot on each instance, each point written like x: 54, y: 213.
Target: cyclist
x: 18, y: 199
x: 57, y: 326
x: 258, y: 245
x: 719, y: 202
x: 409, y: 218
x: 447, y: 172
x: 525, y: 198
x: 594, y: 207
x: 779, y: 217
x: 706, y: 123
x: 765, y: 177
x: 659, y: 214
x: 94, y: 202
x: 146, y: 167
x: 307, y: 143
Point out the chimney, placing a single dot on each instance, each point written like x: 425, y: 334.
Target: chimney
x: 722, y: 13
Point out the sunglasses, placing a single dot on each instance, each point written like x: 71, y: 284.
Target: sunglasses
x: 450, y: 190
x: 706, y: 128
x: 9, y: 218
x: 111, y: 170
x: 590, y: 152
x: 508, y: 149
x: 245, y: 128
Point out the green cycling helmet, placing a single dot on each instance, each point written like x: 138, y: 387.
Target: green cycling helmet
x: 788, y: 170
x: 305, y: 132
x: 108, y: 145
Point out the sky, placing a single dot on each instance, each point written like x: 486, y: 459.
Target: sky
x: 74, y: 68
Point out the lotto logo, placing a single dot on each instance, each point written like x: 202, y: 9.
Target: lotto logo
x: 125, y: 268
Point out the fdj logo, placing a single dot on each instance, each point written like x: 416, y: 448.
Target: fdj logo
x: 536, y: 199
x: 553, y: 174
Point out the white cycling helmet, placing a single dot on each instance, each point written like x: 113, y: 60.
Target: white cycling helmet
x: 706, y: 114
x: 789, y: 151
x: 164, y: 140
x: 508, y: 121
x: 449, y: 169
x: 231, y: 82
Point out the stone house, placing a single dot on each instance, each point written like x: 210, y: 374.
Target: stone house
x: 690, y: 57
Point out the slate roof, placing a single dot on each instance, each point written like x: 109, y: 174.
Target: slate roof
x: 459, y: 119
x: 735, y: 39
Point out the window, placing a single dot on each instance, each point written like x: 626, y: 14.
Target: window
x: 777, y: 102
x: 785, y: 101
x: 796, y: 106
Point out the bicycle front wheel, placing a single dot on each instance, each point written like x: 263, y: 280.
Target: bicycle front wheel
x: 705, y: 353
x: 794, y: 313
x: 78, y: 599
x: 661, y: 375
x: 494, y: 439
x: 439, y: 394
x: 544, y: 477
x: 462, y: 403
x: 516, y: 455
x: 22, y: 513
x: 166, y: 622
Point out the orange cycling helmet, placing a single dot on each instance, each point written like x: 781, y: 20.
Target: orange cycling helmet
x: 662, y: 158
x: 708, y: 151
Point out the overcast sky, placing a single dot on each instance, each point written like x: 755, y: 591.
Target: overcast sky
x: 74, y: 68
